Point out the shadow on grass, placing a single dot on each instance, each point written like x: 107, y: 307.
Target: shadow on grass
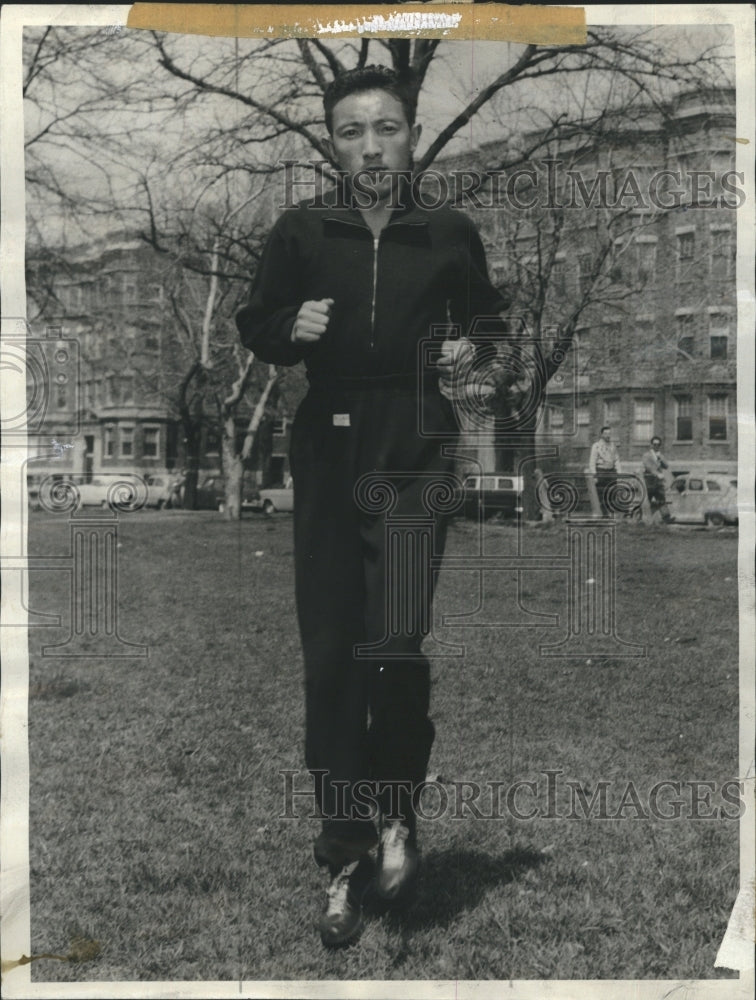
x: 452, y: 881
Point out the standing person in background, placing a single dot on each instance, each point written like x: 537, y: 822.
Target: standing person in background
x: 351, y: 284
x: 654, y: 465
x: 604, y: 465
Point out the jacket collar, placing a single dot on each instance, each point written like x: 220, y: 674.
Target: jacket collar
x: 339, y: 203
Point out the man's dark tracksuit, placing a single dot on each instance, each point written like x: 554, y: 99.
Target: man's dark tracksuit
x: 361, y: 416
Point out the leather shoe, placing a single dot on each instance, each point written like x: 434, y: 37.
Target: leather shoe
x: 341, y: 923
x: 398, y: 862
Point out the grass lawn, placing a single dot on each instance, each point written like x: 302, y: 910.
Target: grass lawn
x: 156, y: 789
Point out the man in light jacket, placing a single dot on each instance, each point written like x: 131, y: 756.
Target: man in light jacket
x: 604, y: 465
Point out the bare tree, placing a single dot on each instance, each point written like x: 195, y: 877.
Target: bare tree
x: 296, y: 77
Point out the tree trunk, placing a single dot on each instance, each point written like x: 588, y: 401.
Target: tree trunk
x: 526, y: 463
x: 192, y: 444
x: 233, y: 460
x: 233, y: 468
x: 191, y: 423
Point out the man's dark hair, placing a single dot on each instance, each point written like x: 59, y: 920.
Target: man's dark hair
x: 606, y: 427
x: 355, y: 81
x: 655, y: 438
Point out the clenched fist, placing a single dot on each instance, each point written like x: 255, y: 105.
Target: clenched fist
x: 454, y: 358
x: 312, y: 321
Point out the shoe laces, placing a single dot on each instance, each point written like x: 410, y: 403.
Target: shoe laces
x: 338, y: 889
x: 393, y: 841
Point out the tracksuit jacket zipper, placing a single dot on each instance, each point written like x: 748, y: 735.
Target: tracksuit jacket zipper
x: 376, y: 242
x: 376, y: 245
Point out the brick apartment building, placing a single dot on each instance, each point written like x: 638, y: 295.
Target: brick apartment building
x: 654, y: 350
x: 106, y: 310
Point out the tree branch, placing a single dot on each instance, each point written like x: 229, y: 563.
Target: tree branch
x: 167, y: 63
x: 311, y: 64
x: 485, y: 95
x: 337, y: 67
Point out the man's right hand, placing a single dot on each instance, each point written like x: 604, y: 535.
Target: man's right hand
x: 312, y: 321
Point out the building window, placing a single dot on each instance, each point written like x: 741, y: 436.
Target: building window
x: 583, y: 350
x: 559, y: 276
x: 556, y: 420
x: 686, y: 342
x: 646, y: 262
x: 150, y: 442
x: 127, y: 441
x: 686, y: 246
x: 718, y: 347
x: 129, y: 288
x: 611, y: 412
x: 719, y: 335
x: 613, y: 333
x: 109, y: 448
x: 683, y: 418
x: 583, y: 421
x: 718, y: 418
x: 616, y: 266
x: 643, y: 419
x: 585, y: 271
x: 722, y: 253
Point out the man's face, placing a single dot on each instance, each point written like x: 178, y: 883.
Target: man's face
x: 606, y: 435
x: 371, y: 133
x: 656, y: 445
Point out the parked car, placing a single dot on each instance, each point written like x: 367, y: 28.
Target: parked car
x: 492, y: 494
x: 159, y: 491
x: 718, y: 517
x: 276, y: 498
x: 709, y: 498
x: 100, y: 491
x: 95, y: 492
x: 211, y: 495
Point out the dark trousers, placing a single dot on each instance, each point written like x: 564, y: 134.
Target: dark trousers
x: 606, y: 480
x: 367, y: 724
x: 655, y: 491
